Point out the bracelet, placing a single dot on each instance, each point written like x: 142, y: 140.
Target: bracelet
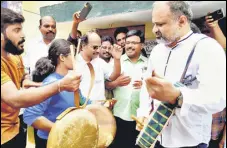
x: 59, y: 86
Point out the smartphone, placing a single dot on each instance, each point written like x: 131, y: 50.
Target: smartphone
x: 85, y: 11
x: 218, y: 14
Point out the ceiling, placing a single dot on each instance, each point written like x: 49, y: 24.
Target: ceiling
x: 199, y: 9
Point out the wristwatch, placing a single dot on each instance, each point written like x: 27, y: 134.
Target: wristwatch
x: 179, y: 101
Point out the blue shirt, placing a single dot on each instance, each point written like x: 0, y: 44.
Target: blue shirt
x: 52, y: 107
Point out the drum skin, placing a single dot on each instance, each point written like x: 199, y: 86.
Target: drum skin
x: 77, y: 129
x: 106, y: 123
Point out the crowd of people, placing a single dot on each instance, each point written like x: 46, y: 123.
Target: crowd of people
x: 41, y: 84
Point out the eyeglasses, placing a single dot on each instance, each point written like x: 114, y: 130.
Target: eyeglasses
x: 95, y: 47
x: 133, y: 43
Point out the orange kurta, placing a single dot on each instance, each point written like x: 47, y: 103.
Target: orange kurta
x: 12, y: 69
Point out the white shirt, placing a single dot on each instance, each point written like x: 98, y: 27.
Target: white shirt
x: 191, y: 124
x: 102, y: 72
x: 35, y: 50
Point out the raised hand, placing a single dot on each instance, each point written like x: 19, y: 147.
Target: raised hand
x: 76, y: 17
x: 116, y: 51
x: 210, y: 21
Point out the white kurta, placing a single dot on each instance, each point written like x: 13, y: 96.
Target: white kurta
x: 35, y: 50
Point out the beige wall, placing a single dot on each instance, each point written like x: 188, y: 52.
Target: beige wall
x: 31, y: 23
x: 148, y: 31
x: 63, y: 29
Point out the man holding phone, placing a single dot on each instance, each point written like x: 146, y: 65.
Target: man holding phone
x: 77, y: 18
x: 215, y: 29
x: 73, y: 36
x: 218, y: 133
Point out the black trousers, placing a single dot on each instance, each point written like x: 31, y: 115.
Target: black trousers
x: 19, y: 141
x: 126, y: 134
x: 215, y: 143
x: 40, y: 143
x: 202, y: 145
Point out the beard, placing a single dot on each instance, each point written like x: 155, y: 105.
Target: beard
x: 166, y: 41
x: 163, y: 41
x: 11, y: 48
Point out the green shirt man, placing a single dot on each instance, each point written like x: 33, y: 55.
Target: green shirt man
x: 127, y: 96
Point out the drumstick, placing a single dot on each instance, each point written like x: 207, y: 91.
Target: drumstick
x: 72, y: 55
x: 76, y: 93
x: 134, y: 118
x: 78, y: 47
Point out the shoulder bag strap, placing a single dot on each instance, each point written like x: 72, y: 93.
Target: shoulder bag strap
x: 189, y: 60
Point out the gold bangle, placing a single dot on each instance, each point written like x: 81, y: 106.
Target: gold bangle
x: 59, y: 86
